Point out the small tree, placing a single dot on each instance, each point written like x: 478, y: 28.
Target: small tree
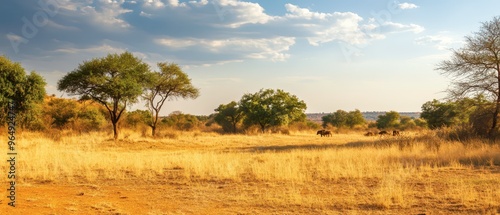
x: 181, y: 121
x: 268, y: 108
x: 342, y: 118
x: 452, y: 113
x: 171, y: 82
x: 228, y: 116
x: 137, y: 117
x: 337, y: 119
x: 475, y: 68
x: 355, y: 118
x: 439, y: 114
x: 388, y: 120
x: 114, y: 81
x: 61, y: 111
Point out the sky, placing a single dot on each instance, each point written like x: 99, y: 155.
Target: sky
x: 371, y: 55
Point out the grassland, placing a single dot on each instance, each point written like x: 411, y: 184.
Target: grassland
x: 208, y: 173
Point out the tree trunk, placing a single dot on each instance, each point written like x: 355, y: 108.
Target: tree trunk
x: 153, y: 131
x: 115, y: 130
x: 494, y: 123
x: 492, y: 131
x: 155, y: 115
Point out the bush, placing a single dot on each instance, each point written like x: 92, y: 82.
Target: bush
x: 480, y: 120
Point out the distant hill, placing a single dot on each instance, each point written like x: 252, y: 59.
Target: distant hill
x: 369, y: 116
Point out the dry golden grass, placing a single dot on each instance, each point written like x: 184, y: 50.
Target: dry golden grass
x: 297, y: 173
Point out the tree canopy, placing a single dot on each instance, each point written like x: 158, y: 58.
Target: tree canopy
x: 268, y: 108
x: 24, y: 91
x: 115, y: 81
x: 228, y: 116
x: 475, y: 68
x: 169, y: 83
x: 342, y: 118
x: 390, y: 119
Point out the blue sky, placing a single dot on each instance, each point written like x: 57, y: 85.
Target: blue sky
x: 333, y: 54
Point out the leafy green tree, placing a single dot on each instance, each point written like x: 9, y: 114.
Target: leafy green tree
x: 343, y: 118
x: 439, y: 114
x: 390, y: 119
x: 228, y: 116
x: 171, y: 82
x: 89, y: 117
x: 269, y: 107
x: 475, y: 68
x: 420, y: 122
x: 181, y: 121
x: 114, y: 81
x: 337, y: 119
x: 61, y: 111
x: 138, y: 117
x: 406, y: 122
x: 80, y: 115
x: 452, y: 113
x: 24, y: 91
x: 355, y: 118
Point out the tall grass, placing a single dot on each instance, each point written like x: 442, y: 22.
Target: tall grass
x: 396, y: 174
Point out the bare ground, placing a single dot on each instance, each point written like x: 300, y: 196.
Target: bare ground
x: 168, y: 195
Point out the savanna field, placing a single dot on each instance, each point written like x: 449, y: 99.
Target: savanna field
x: 209, y: 173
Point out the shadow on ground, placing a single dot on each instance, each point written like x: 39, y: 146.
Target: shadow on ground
x: 376, y: 142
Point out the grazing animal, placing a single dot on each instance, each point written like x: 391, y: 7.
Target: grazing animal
x: 324, y: 133
x: 320, y: 132
x: 327, y: 133
x: 368, y: 134
x: 395, y: 133
x: 383, y: 133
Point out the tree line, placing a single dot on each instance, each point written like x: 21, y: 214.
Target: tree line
x: 112, y: 83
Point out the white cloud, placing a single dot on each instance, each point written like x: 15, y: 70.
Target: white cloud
x: 297, y: 12
x: 145, y: 14
x: 154, y: 3
x: 61, y: 27
x: 266, y: 48
x: 325, y: 27
x: 104, y: 13
x: 398, y: 27
x: 104, y: 48
x: 237, y: 13
x: 199, y: 3
x: 440, y: 41
x: 107, y: 14
x: 14, y: 38
x: 406, y: 6
x: 229, y: 30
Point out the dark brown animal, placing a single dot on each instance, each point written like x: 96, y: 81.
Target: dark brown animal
x: 395, y: 133
x: 320, y: 132
x: 368, y: 134
x: 327, y: 133
x: 383, y: 133
x: 324, y: 133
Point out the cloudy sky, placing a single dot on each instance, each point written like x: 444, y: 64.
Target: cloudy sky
x: 372, y: 55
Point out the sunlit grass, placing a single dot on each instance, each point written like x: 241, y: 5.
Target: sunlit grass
x: 377, y: 172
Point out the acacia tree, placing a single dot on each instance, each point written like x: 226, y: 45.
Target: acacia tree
x: 268, y: 108
x: 475, y: 68
x: 24, y: 91
x: 114, y: 81
x: 169, y: 83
